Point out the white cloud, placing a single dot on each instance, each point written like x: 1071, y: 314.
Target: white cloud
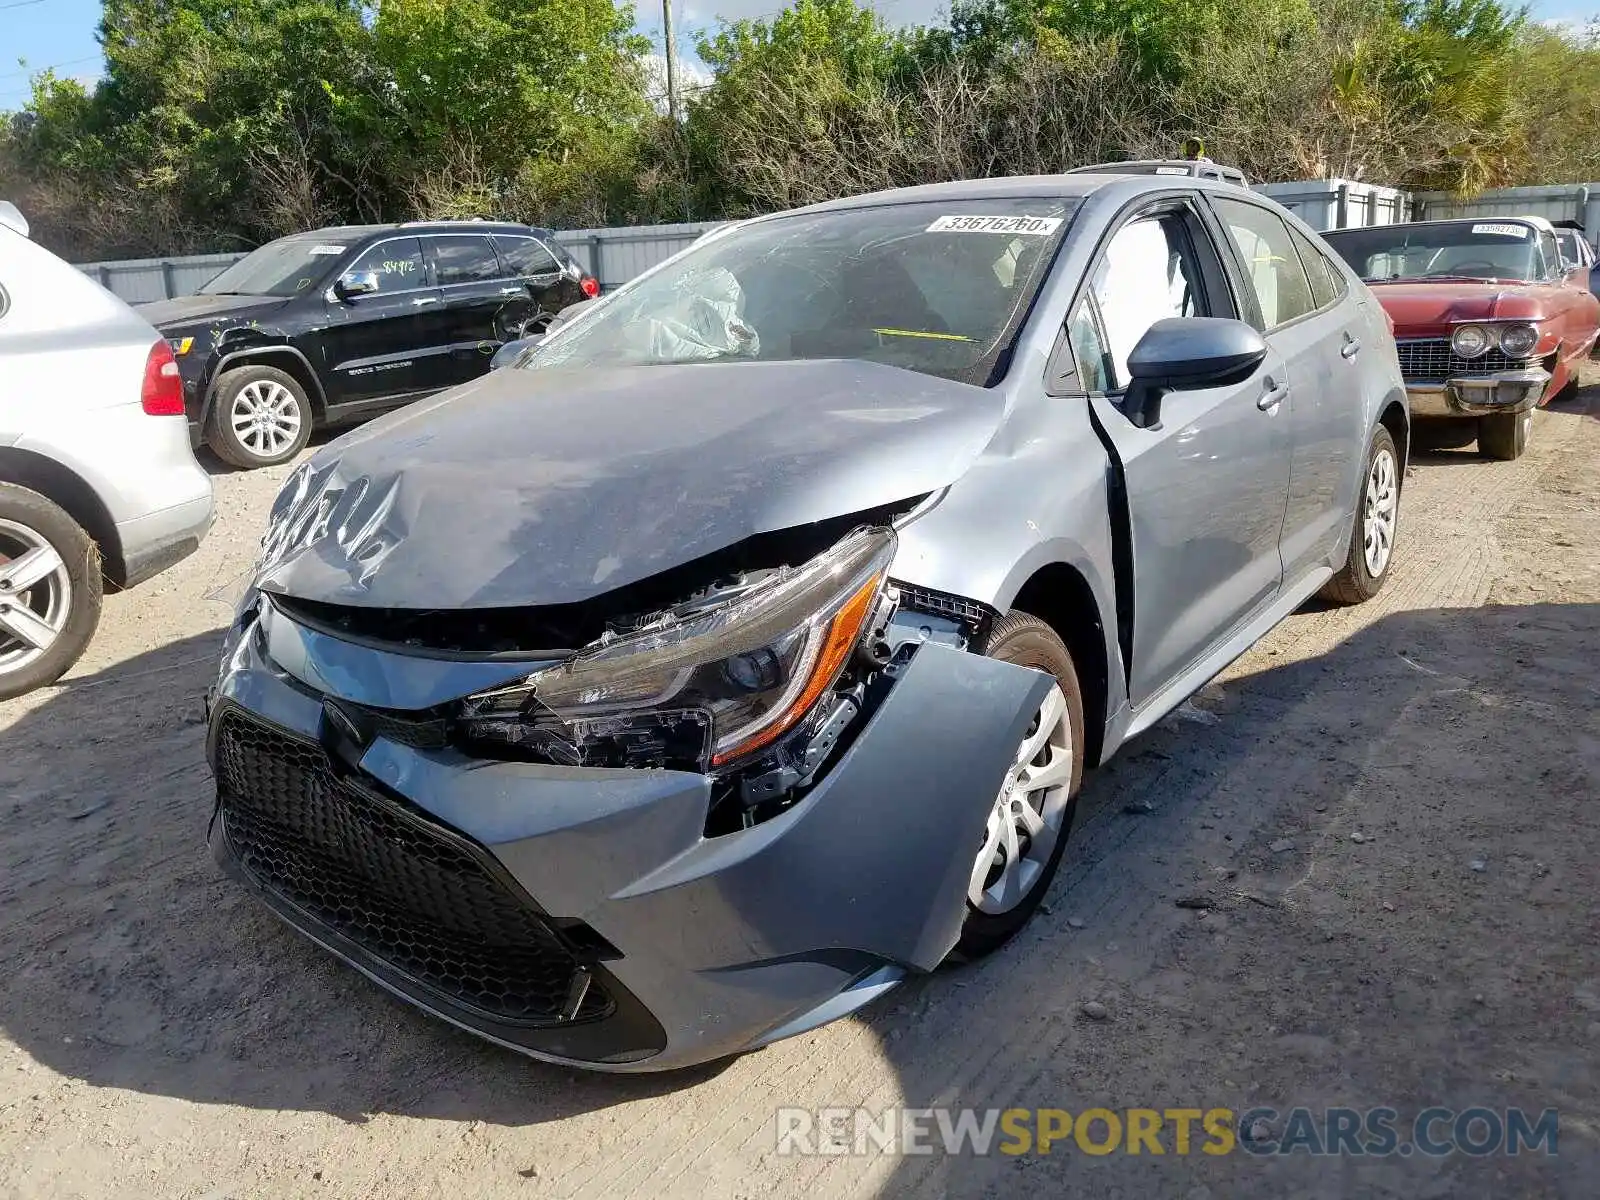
x: 692, y: 75
x: 1572, y: 27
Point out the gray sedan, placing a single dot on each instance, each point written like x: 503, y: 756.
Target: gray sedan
x: 738, y: 652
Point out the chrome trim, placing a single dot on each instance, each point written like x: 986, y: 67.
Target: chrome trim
x: 1506, y: 391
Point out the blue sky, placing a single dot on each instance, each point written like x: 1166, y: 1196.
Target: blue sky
x: 60, y: 33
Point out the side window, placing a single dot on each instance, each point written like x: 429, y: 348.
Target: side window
x: 462, y: 258
x: 1149, y: 271
x: 1552, y: 256
x: 1324, y: 280
x: 1088, y: 348
x: 1271, y: 263
x: 523, y: 256
x: 397, y: 263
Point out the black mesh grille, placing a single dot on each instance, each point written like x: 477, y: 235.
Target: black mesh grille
x: 405, y: 891
x: 1430, y: 360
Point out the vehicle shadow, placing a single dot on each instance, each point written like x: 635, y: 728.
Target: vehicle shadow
x: 127, y: 960
x: 214, y: 466
x: 1367, y: 882
x: 1230, y: 971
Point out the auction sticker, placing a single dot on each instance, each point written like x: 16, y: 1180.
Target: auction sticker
x: 328, y: 249
x: 1498, y: 230
x: 1034, y: 226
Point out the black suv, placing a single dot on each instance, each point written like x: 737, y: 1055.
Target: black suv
x: 343, y: 323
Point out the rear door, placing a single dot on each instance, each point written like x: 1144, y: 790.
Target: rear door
x: 386, y: 344
x: 467, y: 270
x: 1308, y: 340
x: 1205, y: 489
x: 538, y: 288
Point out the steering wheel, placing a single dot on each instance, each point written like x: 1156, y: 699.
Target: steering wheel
x: 1469, y: 268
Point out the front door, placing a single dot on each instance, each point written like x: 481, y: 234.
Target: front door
x: 385, y: 344
x: 1204, y: 489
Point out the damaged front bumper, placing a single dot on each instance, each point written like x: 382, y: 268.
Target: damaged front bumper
x: 1479, y: 395
x: 584, y: 915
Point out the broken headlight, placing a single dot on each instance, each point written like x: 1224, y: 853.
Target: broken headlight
x: 700, y: 686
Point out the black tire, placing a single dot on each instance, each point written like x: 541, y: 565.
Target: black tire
x: 225, y: 440
x: 1355, y: 583
x: 1027, y: 641
x: 48, y: 522
x: 1504, y: 436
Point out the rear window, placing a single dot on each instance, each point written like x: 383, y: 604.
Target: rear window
x: 523, y: 256
x: 1327, y: 284
x: 463, y: 259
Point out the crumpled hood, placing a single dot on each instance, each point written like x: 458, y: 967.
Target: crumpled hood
x: 1434, y: 305
x: 538, y: 487
x: 184, y: 311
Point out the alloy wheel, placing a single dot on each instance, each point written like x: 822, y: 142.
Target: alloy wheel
x: 1381, y: 508
x: 265, y: 417
x: 1029, y: 814
x: 35, y: 595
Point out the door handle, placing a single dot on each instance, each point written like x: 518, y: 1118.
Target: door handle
x: 513, y: 291
x: 421, y: 300
x: 1351, y: 347
x: 1275, y: 395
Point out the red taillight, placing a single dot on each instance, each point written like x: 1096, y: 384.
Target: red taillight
x: 590, y: 286
x: 163, y: 389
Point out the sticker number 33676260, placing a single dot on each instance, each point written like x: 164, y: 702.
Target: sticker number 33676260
x: 1037, y: 226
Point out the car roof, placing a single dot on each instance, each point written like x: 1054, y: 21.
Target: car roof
x: 1067, y: 186
x: 356, y: 232
x: 1539, y: 223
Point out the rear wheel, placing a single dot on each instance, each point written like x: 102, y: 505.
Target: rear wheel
x: 1504, y: 436
x: 1031, y: 819
x: 50, y: 591
x: 1376, y: 521
x: 260, y: 417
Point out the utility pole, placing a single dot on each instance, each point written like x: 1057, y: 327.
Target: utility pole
x: 672, y: 61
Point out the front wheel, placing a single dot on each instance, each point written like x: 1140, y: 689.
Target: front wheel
x: 49, y: 591
x: 260, y: 417
x: 1376, y: 521
x: 1028, y: 825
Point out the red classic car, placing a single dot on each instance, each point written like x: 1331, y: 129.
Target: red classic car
x: 1489, y: 319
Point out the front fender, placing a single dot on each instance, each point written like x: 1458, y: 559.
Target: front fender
x: 232, y: 352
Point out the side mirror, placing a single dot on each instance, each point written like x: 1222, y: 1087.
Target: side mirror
x: 510, y: 351
x: 356, y: 283
x: 1179, y: 353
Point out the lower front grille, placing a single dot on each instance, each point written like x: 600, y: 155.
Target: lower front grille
x: 1431, y: 360
x: 416, y: 896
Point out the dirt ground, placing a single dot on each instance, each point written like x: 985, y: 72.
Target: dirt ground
x: 160, y: 1035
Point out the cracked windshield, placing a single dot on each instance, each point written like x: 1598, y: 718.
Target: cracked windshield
x: 939, y: 288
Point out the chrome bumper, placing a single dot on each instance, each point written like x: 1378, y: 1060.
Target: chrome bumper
x: 1476, y: 396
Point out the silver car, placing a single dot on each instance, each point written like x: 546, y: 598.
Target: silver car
x: 97, y: 480
x: 738, y: 652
